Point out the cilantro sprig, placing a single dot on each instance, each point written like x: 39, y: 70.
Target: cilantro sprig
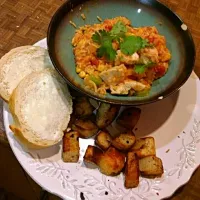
x: 104, y: 39
x: 141, y: 68
x: 106, y: 50
x: 118, y: 30
x: 128, y: 44
x: 132, y: 44
x: 101, y: 36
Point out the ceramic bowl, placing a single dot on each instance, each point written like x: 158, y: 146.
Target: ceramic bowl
x: 141, y: 13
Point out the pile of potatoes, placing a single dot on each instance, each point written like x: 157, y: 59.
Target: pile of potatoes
x: 112, y: 154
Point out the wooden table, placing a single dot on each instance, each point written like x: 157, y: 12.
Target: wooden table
x: 24, y: 22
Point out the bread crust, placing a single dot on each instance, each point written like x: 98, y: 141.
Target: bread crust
x: 19, y: 135
x: 28, y: 135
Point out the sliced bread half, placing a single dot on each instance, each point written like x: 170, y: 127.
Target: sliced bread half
x: 17, y: 64
x: 41, y: 106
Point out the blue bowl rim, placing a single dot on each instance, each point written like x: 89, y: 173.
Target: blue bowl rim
x: 153, y: 3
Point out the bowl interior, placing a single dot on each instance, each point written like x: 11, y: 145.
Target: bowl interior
x: 141, y: 13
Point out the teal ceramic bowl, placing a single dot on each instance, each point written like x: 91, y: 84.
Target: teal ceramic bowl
x: 141, y: 13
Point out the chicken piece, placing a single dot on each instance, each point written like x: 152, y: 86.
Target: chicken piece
x: 126, y: 59
x: 124, y: 88
x: 114, y: 75
x: 148, y: 55
x: 71, y: 147
x: 119, y: 89
x: 111, y: 162
x: 135, y: 85
x: 132, y: 171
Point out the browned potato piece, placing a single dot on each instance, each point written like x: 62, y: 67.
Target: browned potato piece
x: 92, y: 155
x: 132, y: 171
x: 106, y: 113
x: 85, y: 127
x: 103, y: 140
x: 72, y: 120
x: 124, y: 141
x: 111, y: 162
x: 129, y: 117
x: 144, y: 147
x: 83, y: 107
x: 151, y: 166
x: 70, y: 147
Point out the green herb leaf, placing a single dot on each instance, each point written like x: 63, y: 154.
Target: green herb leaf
x: 119, y: 29
x: 96, y: 37
x: 106, y: 51
x: 141, y: 68
x: 144, y: 43
x: 104, y: 39
x: 96, y: 79
x: 132, y: 44
x: 100, y: 36
x: 128, y: 44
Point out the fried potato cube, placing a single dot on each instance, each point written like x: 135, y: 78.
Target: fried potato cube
x: 106, y: 113
x: 85, y: 127
x: 129, y: 117
x: 83, y: 107
x: 111, y: 162
x: 124, y: 141
x: 72, y: 120
x: 92, y: 155
x: 151, y: 166
x: 144, y: 147
x: 132, y: 171
x: 103, y: 140
x: 71, y: 147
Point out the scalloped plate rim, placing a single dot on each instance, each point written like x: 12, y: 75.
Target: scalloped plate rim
x: 60, y: 193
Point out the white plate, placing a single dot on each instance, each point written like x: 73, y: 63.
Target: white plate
x: 174, y: 123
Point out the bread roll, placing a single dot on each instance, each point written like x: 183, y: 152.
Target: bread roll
x: 41, y: 106
x: 17, y: 64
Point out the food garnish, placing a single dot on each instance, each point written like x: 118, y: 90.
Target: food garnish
x: 132, y: 44
x: 128, y: 44
x: 141, y: 68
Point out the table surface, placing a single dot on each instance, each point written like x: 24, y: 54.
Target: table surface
x: 24, y: 22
